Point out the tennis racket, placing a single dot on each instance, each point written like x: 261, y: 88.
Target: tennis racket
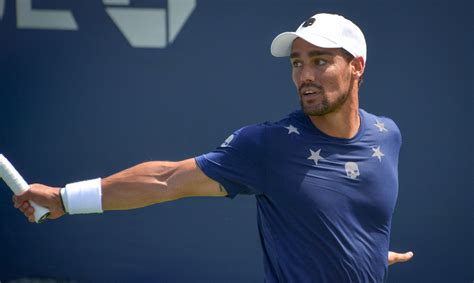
x: 18, y: 185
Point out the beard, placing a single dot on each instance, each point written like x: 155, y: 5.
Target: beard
x: 324, y: 106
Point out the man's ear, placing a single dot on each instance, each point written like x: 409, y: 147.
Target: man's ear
x: 358, y: 66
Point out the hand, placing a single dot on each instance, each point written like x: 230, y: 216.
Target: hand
x: 48, y: 197
x: 394, y: 257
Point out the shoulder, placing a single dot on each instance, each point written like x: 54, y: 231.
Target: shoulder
x: 257, y: 134
x: 296, y: 119
x: 382, y: 124
x: 246, y: 138
x: 387, y: 122
x: 269, y: 126
x: 252, y: 132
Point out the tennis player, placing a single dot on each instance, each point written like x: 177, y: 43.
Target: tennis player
x: 325, y: 177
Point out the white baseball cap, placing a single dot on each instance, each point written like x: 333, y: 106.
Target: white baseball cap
x: 326, y: 31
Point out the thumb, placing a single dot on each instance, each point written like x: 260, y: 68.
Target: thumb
x: 405, y: 256
x: 400, y: 257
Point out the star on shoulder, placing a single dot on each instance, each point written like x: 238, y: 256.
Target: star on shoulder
x: 381, y: 126
x: 292, y: 129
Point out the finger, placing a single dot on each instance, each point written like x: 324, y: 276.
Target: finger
x: 25, y: 196
x: 405, y: 257
x: 30, y: 214
x: 399, y: 257
x: 16, y: 204
x: 30, y: 211
x: 24, y: 210
x: 24, y: 207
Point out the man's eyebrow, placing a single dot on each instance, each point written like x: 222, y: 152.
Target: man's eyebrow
x: 320, y: 53
x: 312, y: 53
x: 294, y: 54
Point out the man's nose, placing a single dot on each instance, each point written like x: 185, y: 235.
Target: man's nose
x: 307, y: 74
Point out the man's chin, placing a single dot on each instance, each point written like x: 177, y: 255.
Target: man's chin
x: 316, y: 110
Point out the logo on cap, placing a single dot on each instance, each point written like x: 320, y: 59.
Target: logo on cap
x: 309, y: 22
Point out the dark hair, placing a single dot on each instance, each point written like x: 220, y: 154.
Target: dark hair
x: 349, y: 57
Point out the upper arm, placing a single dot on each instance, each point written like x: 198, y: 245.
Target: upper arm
x: 238, y: 163
x: 188, y: 180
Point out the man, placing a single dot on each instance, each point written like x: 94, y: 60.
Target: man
x: 325, y: 178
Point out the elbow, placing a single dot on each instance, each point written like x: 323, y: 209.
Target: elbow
x: 162, y: 176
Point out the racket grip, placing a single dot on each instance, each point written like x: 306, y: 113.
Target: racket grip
x: 18, y: 185
x: 41, y: 213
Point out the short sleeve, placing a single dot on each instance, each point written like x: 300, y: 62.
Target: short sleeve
x: 237, y: 163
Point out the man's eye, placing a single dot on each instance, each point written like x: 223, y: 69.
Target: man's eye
x: 320, y: 62
x: 296, y: 64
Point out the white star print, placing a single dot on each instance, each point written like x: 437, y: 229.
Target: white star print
x: 292, y: 129
x: 381, y: 126
x: 377, y: 153
x: 315, y: 156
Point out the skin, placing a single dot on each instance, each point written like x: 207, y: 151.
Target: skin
x: 139, y: 186
x: 334, y: 105
x: 333, y: 108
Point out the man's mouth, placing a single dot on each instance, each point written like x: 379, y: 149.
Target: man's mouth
x: 310, y: 92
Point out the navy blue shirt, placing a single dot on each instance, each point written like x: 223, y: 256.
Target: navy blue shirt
x: 324, y: 204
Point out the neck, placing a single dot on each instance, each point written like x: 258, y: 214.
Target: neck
x: 342, y: 123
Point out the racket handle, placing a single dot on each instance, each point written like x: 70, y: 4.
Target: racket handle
x: 41, y: 213
x: 18, y: 185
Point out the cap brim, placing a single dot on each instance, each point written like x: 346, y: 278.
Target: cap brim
x: 281, y: 45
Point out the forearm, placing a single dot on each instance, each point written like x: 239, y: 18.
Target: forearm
x: 142, y: 185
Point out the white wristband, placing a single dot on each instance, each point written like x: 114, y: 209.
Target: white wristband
x: 64, y: 200
x: 83, y: 197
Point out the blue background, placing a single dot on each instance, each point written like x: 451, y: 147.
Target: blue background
x: 82, y: 104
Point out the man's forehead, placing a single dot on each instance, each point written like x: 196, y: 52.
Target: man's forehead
x: 302, y: 46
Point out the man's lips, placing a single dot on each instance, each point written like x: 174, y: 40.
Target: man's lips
x: 310, y: 90
x: 309, y: 93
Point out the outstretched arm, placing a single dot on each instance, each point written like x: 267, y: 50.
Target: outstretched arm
x: 139, y: 186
